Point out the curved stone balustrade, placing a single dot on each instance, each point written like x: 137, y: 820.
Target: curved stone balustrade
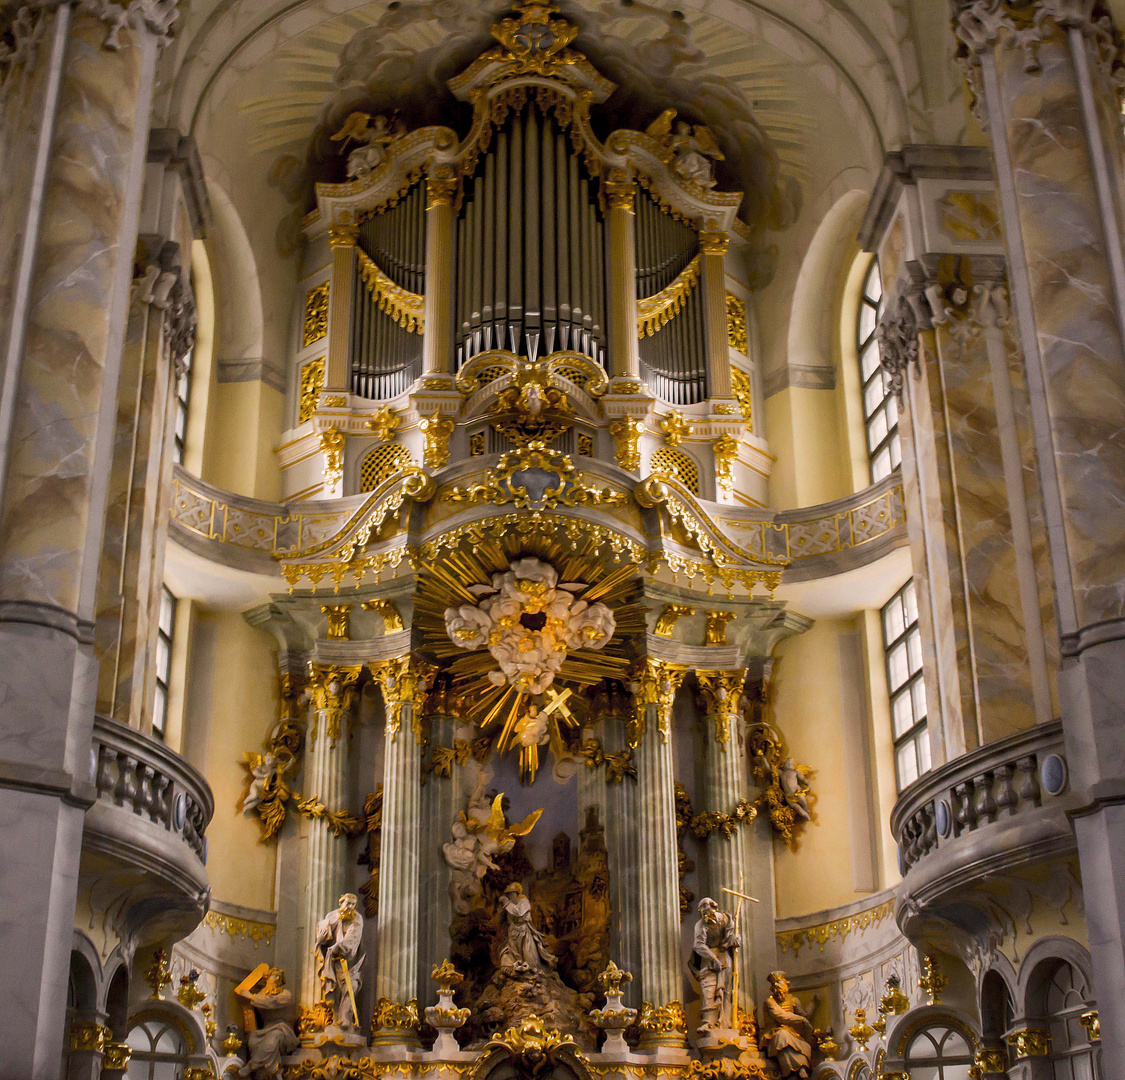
x: 810, y: 542
x: 983, y: 813
x: 150, y: 815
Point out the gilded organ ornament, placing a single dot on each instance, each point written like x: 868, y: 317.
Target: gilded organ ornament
x: 437, y: 429
x: 690, y: 150
x: 316, y: 315
x: 626, y: 432
x: 725, y: 449
x: 372, y: 136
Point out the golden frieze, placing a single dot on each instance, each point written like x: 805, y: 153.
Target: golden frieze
x: 655, y: 311
x: 502, y: 487
x: 407, y: 309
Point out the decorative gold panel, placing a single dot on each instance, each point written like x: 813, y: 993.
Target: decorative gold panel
x: 382, y: 462
x: 312, y: 380
x: 316, y: 315
x: 736, y: 323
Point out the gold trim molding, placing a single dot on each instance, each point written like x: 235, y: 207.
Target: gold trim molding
x: 836, y: 930
x: 235, y: 928
x: 405, y: 308
x: 655, y: 311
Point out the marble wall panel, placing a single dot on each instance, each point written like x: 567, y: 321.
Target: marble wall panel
x: 978, y: 509
x: 1075, y: 319
x: 46, y: 518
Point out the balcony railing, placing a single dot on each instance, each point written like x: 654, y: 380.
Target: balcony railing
x: 134, y: 771
x: 1007, y: 795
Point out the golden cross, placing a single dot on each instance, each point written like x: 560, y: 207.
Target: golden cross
x: 558, y: 702
x: 743, y: 896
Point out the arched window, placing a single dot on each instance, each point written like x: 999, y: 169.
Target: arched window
x: 880, y: 409
x: 939, y: 1053
x: 1072, y: 1054
x: 159, y: 1051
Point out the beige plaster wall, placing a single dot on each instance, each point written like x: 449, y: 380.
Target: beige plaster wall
x: 808, y: 710
x: 226, y: 714
x: 243, y: 423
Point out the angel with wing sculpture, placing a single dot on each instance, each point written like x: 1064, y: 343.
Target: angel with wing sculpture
x: 689, y: 150
x: 371, y: 135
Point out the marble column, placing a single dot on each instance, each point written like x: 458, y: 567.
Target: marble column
x: 724, y: 788
x: 437, y: 343
x: 441, y: 799
x: 76, y: 125
x: 624, y: 351
x: 332, y: 689
x: 341, y: 300
x: 404, y: 683
x: 981, y: 572
x: 661, y: 968
x: 1045, y: 93
x: 713, y: 283
x: 621, y: 839
x: 160, y: 331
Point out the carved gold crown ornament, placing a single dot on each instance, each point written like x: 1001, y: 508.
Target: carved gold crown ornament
x: 533, y: 43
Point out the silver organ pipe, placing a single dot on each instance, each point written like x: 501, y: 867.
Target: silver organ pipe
x: 673, y: 357
x: 530, y: 246
x: 386, y: 357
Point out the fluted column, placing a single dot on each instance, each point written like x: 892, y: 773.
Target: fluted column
x: 661, y: 974
x: 341, y: 300
x: 333, y: 699
x: 624, y: 352
x: 404, y: 683
x: 437, y: 343
x: 713, y: 282
x: 77, y: 109
x: 1045, y: 92
x: 724, y: 792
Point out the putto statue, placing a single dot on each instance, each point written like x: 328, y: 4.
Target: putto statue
x: 275, y: 1038
x: 712, y: 963
x: 339, y: 936
x: 786, y: 1029
x: 524, y: 947
x: 689, y: 150
x: 372, y: 136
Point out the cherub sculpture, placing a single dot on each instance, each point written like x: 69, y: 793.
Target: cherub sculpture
x: 372, y: 136
x: 689, y: 150
x: 794, y: 784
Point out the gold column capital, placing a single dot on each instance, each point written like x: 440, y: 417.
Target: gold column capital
x: 441, y: 191
x: 620, y: 191
x: 713, y: 243
x: 721, y: 695
x: 342, y: 234
x: 1030, y: 1042
x: 88, y: 1035
x: 334, y: 693
x: 405, y: 680
x: 654, y: 682
x: 668, y: 617
x: 339, y: 617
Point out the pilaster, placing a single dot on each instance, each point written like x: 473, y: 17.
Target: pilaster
x: 713, y: 281
x: 624, y: 352
x: 437, y: 342
x: 341, y: 300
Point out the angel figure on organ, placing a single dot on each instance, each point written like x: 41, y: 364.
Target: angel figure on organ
x: 690, y: 150
x: 371, y: 136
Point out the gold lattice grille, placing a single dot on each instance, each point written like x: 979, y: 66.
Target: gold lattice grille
x: 382, y: 462
x: 676, y: 463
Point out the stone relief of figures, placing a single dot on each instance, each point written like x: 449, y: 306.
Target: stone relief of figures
x: 689, y: 149
x: 339, y: 960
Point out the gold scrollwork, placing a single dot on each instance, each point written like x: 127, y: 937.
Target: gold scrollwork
x: 626, y: 432
x: 660, y: 308
x: 332, y: 446
x: 392, y: 620
x: 725, y: 449
x: 88, y: 1036
x: 837, y: 930
x: 246, y: 929
x: 736, y: 323
x: 407, y: 309
x: 675, y: 428
x: 1030, y: 1042
x: 654, y: 682
x: 663, y: 1018
x: 740, y: 385
x: 534, y: 43
x: 316, y: 315
x: 383, y: 424
x: 668, y: 617
x: 391, y: 1015
x: 501, y: 488
x: 437, y: 428
x: 312, y: 381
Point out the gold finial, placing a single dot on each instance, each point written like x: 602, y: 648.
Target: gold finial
x: 613, y: 978
x: 861, y: 1030
x: 447, y: 977
x: 932, y: 982
x: 158, y: 976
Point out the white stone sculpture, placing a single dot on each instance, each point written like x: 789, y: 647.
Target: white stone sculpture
x: 372, y: 136
x: 529, y: 622
x: 275, y: 1038
x: 262, y: 775
x: 339, y: 937
x: 524, y: 947
x: 690, y: 150
x: 712, y: 963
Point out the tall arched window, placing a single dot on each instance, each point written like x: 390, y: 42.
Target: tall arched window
x: 939, y: 1053
x: 160, y: 1051
x: 880, y: 409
